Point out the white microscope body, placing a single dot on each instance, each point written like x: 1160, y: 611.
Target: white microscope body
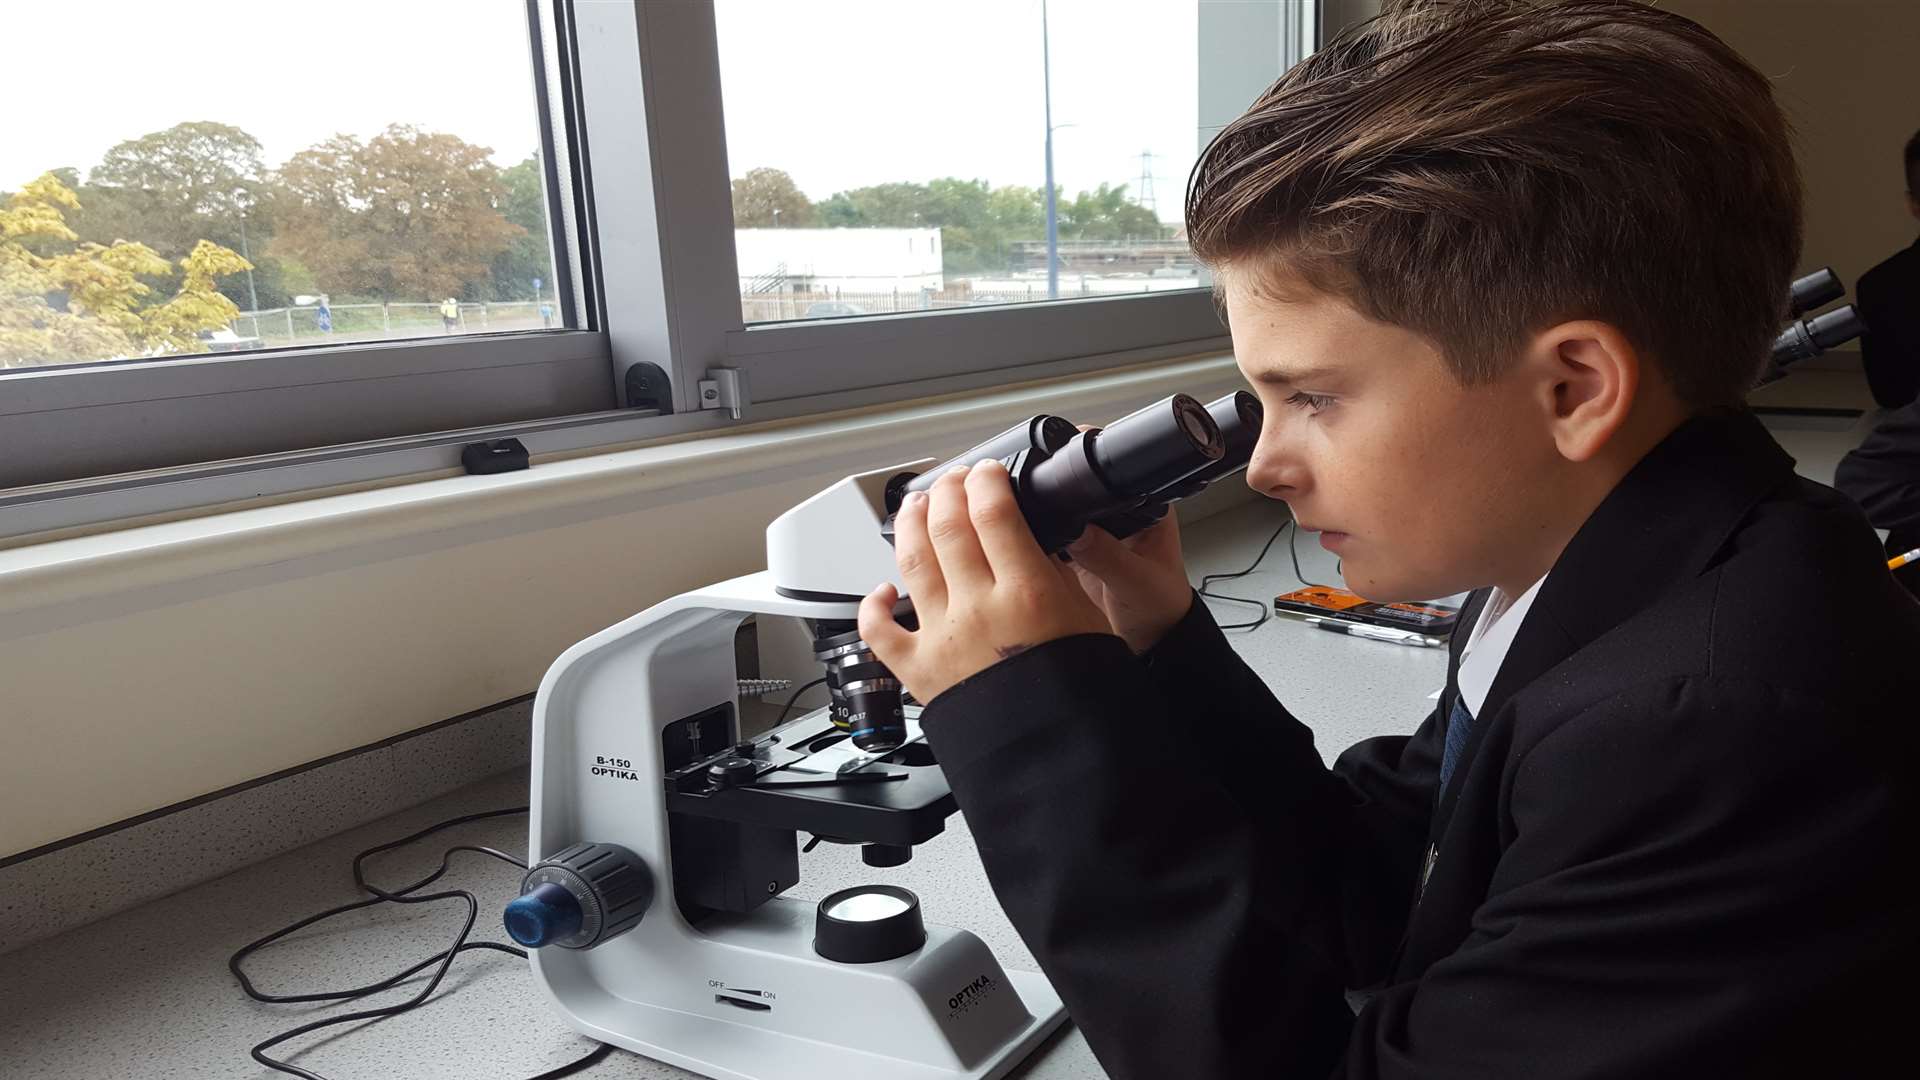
x: 720, y: 974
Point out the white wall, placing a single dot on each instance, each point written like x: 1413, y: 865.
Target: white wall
x: 1845, y: 71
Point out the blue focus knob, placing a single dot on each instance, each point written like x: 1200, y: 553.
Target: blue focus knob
x: 544, y: 915
x: 579, y: 897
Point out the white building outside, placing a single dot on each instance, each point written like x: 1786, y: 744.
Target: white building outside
x: 838, y: 260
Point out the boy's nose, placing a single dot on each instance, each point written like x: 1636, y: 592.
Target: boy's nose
x: 1274, y: 475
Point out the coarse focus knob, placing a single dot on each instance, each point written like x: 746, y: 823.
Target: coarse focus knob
x: 580, y: 897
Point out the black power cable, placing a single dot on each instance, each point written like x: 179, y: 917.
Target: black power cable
x: 406, y: 895
x: 796, y: 697
x: 1293, y: 551
x: 1209, y: 579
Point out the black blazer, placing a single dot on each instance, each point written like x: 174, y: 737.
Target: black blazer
x: 1883, y: 476
x: 1888, y: 297
x: 1678, y: 844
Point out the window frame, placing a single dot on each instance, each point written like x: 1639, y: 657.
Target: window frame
x: 642, y: 238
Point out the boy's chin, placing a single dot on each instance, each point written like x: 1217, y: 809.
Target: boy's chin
x: 1389, y: 588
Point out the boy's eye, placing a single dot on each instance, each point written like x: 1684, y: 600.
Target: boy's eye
x: 1310, y: 402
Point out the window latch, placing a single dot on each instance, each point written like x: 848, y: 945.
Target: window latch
x: 725, y: 388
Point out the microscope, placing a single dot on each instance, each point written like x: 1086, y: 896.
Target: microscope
x: 662, y: 841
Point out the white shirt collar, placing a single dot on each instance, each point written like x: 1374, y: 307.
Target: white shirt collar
x: 1493, y: 633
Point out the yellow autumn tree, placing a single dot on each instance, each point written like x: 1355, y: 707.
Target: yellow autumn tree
x: 64, y: 302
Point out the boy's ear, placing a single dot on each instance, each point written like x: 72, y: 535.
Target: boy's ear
x: 1588, y: 375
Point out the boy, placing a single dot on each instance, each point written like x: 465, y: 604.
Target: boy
x: 1501, y: 272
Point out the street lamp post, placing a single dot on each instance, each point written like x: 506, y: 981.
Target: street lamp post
x: 245, y: 203
x: 1053, y: 220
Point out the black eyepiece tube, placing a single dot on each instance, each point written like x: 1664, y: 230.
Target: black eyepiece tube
x: 1239, y: 416
x: 1106, y: 470
x: 1817, y: 289
x: 1145, y: 451
x: 1044, y: 433
x: 1805, y: 339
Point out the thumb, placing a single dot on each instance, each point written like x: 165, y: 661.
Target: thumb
x: 888, y: 639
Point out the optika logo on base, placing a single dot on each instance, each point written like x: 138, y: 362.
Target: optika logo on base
x: 970, y: 995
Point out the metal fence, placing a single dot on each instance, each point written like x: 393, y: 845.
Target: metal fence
x: 275, y: 328
x: 776, y: 307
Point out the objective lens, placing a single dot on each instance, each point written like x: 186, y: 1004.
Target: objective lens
x: 866, y: 697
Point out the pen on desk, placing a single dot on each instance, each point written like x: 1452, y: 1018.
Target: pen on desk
x: 1377, y: 633
x: 1910, y: 557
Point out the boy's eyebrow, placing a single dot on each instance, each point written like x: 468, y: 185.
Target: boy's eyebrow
x: 1278, y: 376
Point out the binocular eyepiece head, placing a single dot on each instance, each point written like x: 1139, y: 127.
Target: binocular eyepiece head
x: 1121, y: 476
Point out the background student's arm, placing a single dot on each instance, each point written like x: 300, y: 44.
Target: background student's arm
x: 1883, y: 474
x: 1889, y: 351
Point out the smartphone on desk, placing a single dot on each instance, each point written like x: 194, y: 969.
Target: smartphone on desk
x: 1433, y: 618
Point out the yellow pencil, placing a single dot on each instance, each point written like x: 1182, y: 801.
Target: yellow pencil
x: 1911, y: 556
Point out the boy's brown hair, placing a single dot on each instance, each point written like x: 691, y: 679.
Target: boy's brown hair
x: 1478, y: 170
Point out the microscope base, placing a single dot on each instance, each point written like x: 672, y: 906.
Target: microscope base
x: 945, y: 1012
x: 741, y: 1052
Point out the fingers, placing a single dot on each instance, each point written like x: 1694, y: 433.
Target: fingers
x: 1159, y: 541
x: 888, y: 639
x: 1100, y: 553
x: 1009, y: 546
x: 963, y: 564
x: 913, y: 553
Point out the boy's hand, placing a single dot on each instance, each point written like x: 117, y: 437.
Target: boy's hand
x: 1140, y: 582
x: 981, y: 586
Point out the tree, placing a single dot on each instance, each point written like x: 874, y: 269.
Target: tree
x: 407, y: 215
x: 978, y: 224
x: 528, y: 255
x: 173, y: 188
x: 764, y: 191
x: 190, y: 171
x: 1106, y: 214
x: 64, y: 300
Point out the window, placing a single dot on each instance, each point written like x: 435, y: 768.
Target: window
x: 1099, y: 94
x: 148, y: 219
x: 453, y: 219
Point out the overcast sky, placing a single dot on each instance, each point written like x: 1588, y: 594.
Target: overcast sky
x: 840, y: 94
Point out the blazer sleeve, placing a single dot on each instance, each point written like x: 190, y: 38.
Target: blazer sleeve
x: 1190, y: 931
x: 1883, y: 473
x: 1386, y: 786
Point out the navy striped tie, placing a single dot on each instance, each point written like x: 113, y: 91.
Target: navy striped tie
x: 1459, y: 726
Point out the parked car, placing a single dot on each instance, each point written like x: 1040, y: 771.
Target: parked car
x: 225, y: 340
x: 827, y: 309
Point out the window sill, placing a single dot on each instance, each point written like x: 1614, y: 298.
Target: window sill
x: 332, y: 532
